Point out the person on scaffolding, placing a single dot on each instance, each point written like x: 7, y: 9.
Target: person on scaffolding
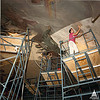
x: 72, y: 45
x: 49, y: 56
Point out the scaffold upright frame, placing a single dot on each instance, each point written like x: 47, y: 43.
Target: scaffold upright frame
x: 14, y: 83
x: 76, y: 89
x: 49, y: 82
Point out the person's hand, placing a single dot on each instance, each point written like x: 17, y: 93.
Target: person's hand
x: 79, y: 26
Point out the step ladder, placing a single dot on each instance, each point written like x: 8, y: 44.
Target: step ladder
x: 80, y: 68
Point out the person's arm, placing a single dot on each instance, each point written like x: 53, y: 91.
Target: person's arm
x: 79, y: 27
x: 63, y: 42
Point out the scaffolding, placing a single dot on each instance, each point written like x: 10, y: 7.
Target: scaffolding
x: 12, y: 86
x: 81, y: 79
x: 49, y: 83
x: 61, y: 82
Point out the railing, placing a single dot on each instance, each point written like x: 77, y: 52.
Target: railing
x: 51, y: 64
x: 65, y: 51
x: 78, y: 88
x: 12, y: 87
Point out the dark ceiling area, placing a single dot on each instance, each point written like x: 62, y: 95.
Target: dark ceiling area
x: 42, y: 13
x: 38, y: 15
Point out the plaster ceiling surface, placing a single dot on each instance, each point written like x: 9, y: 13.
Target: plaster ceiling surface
x: 62, y: 13
x: 20, y: 14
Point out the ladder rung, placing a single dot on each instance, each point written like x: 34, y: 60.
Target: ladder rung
x: 90, y: 40
x: 84, y: 74
x: 53, y: 90
x: 50, y: 80
x: 80, y: 59
x: 57, y: 97
x: 82, y: 66
x: 50, y: 85
x: 50, y: 91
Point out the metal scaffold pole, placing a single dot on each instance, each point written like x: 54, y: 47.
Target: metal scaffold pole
x: 12, y: 86
x: 80, y: 71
